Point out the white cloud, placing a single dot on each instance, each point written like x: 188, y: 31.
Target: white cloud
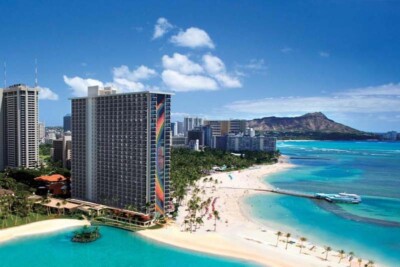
x: 389, y: 89
x: 193, y: 38
x: 286, y: 50
x: 182, y: 74
x: 357, y: 101
x: 181, y: 63
x: 213, y: 64
x: 162, y: 27
x: 324, y: 54
x: 180, y: 114
x: 127, y: 80
x: 141, y: 73
x: 216, y: 68
x: 184, y: 83
x: 79, y: 85
x: 46, y: 94
x: 138, y: 29
x: 125, y: 85
x: 124, y: 80
x: 256, y: 64
x: 228, y: 81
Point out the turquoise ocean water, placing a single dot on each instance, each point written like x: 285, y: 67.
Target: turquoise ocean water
x: 371, y: 169
x: 116, y: 248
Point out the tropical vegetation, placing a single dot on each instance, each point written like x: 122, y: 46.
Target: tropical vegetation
x: 86, y: 234
x: 18, y: 208
x: 188, y: 166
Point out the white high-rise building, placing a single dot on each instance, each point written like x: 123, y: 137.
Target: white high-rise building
x: 174, y: 128
x: 250, y: 132
x: 180, y: 127
x: 2, y: 152
x: 20, y: 124
x: 189, y: 123
x: 41, y: 132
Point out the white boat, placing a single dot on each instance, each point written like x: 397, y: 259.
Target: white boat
x: 340, y: 198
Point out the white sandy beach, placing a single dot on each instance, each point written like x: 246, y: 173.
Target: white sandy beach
x: 237, y: 236
x: 41, y: 227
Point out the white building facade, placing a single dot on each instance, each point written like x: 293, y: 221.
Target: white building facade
x: 19, y: 108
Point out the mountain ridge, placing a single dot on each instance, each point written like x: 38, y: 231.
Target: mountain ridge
x: 309, y: 122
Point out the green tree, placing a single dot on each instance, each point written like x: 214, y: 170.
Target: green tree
x: 58, y: 207
x: 327, y: 250
x: 341, y: 255
x: 216, y: 217
x: 302, y: 240
x: 351, y: 256
x: 278, y: 235
x: 287, y: 240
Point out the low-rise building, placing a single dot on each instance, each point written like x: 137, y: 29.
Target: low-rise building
x: 194, y: 145
x: 55, y: 184
x: 179, y: 141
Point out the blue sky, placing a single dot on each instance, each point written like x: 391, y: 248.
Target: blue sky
x: 223, y: 59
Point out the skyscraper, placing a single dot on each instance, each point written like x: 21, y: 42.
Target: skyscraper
x: 180, y: 127
x: 67, y: 123
x: 174, y: 128
x: 121, y: 149
x: 189, y: 123
x: 223, y: 127
x: 20, y: 126
x: 2, y: 152
x: 41, y: 132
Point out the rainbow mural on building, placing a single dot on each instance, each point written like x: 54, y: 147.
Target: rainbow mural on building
x: 160, y: 155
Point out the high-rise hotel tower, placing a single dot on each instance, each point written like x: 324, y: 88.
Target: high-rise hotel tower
x: 19, y: 127
x: 121, y: 149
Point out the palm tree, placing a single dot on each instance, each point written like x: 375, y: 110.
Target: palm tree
x: 185, y: 222
x: 216, y: 217
x: 351, y: 256
x: 302, y: 240
x: 287, y: 239
x: 341, y: 255
x: 327, y: 249
x: 58, y: 207
x: 199, y: 222
x: 278, y: 235
x: 359, y: 260
x: 370, y: 263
